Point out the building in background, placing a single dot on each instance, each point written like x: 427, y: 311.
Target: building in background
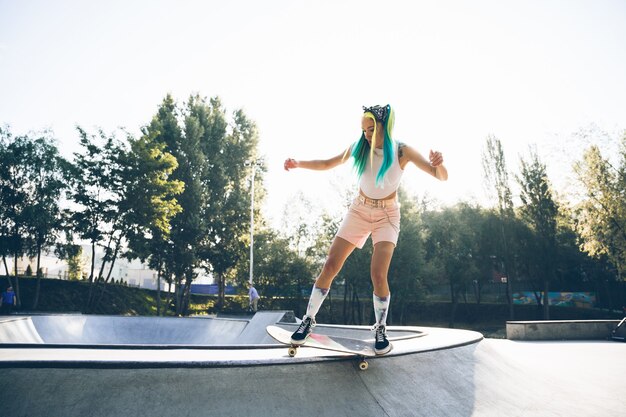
x: 134, y: 273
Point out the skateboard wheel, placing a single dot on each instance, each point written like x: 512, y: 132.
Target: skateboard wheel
x: 292, y: 351
x: 363, y: 365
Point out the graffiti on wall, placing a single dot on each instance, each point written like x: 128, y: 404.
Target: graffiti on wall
x: 561, y: 299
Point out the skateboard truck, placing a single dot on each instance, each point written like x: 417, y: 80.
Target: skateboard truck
x: 292, y: 350
x: 354, y: 347
x: 363, y: 364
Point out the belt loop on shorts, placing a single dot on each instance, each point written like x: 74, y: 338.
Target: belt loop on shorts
x: 375, y: 203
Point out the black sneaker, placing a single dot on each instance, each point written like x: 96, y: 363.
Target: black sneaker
x: 382, y: 345
x: 303, y: 332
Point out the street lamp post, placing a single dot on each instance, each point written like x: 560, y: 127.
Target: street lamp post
x: 254, y: 165
x: 252, y: 225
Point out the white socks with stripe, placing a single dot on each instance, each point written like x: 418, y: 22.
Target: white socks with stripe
x: 381, y: 307
x: 318, y: 295
x: 315, y: 301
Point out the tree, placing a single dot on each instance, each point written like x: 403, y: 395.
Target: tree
x: 43, y: 216
x: 17, y: 183
x: 451, y: 243
x: 211, y: 230
x: 574, y: 267
x: 5, y: 234
x: 279, y: 272
x: 95, y: 191
x: 149, y: 202
x: 300, y: 225
x: 73, y: 254
x: 180, y: 258
x: 408, y: 265
x: 230, y: 152
x: 497, y: 184
x: 540, y: 211
x: 601, y: 216
x: 308, y: 232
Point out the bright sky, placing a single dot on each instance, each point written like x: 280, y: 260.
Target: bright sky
x: 529, y: 72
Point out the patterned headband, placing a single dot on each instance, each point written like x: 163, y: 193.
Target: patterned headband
x: 380, y: 112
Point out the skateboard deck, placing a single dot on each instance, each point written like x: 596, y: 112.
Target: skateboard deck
x: 356, y: 347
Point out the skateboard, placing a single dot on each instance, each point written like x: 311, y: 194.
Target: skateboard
x: 359, y: 348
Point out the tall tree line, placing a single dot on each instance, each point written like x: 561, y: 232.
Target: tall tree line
x: 176, y: 197
x: 542, y: 243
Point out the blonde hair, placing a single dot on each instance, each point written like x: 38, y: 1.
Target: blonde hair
x: 361, y: 150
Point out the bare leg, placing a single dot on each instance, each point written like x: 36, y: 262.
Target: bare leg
x: 339, y: 251
x: 381, y: 259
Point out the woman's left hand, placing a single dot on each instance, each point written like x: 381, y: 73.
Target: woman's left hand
x: 290, y: 163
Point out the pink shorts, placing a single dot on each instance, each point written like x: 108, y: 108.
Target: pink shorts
x: 363, y: 219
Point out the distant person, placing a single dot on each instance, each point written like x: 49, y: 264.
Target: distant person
x: 379, y: 162
x: 7, y: 301
x: 254, y: 298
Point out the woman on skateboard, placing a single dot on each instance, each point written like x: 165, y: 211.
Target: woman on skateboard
x: 379, y: 162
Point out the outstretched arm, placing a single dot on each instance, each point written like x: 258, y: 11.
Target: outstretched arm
x: 433, y: 166
x: 317, y: 164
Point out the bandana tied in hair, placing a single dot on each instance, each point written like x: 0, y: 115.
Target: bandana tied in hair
x: 381, y: 113
x: 384, y: 116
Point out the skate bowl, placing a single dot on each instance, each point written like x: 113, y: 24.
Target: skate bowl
x: 111, y: 341
x: 106, y: 366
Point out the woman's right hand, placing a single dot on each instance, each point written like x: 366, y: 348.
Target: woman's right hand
x: 290, y: 163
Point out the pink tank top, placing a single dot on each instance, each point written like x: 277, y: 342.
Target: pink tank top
x: 390, y: 182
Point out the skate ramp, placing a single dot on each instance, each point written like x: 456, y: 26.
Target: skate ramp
x: 441, y: 373
x: 86, y: 331
x: 89, y: 330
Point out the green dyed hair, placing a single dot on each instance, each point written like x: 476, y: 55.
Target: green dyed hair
x: 361, y: 150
